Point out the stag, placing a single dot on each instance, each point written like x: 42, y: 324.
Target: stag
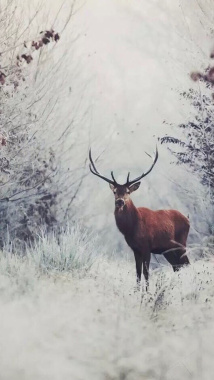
x: 147, y: 231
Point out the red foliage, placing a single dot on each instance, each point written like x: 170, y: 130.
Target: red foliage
x: 207, y: 76
x: 3, y: 141
x: 28, y: 57
x: 2, y: 78
x: 45, y: 38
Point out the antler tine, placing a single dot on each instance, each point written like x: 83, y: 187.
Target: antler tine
x: 127, y: 181
x: 112, y: 175
x: 95, y: 171
x: 148, y: 171
x: 92, y: 163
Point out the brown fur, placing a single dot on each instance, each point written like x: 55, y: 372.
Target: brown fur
x: 146, y: 231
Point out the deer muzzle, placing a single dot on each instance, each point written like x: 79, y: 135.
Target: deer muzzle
x: 119, y: 203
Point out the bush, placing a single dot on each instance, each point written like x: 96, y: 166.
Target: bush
x: 73, y: 248
x: 28, y: 165
x: 195, y: 147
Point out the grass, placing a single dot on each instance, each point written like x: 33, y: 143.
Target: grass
x: 68, y: 312
x: 73, y: 249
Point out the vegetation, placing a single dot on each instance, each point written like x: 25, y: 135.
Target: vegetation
x: 195, y: 147
x: 29, y: 168
x: 69, y: 305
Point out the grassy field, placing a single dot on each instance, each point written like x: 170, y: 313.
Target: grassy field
x: 88, y: 322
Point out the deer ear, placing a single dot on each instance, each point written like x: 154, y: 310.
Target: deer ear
x: 134, y: 187
x: 111, y: 187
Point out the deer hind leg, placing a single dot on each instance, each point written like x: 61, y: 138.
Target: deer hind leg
x: 176, y: 255
x: 146, y: 262
x: 183, y: 259
x: 181, y: 240
x: 182, y: 236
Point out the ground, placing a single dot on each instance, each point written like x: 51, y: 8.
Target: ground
x: 91, y: 324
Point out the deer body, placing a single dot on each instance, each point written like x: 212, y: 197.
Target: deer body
x: 147, y: 231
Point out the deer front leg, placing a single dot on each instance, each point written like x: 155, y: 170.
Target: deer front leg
x: 146, y: 262
x: 142, y: 259
x: 139, y: 262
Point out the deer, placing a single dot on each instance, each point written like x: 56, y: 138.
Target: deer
x: 162, y: 232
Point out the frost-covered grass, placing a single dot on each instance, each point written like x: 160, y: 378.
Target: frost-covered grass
x: 73, y: 249
x: 68, y: 316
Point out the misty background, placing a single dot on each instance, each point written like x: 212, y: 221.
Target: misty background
x: 113, y: 82
x: 125, y: 65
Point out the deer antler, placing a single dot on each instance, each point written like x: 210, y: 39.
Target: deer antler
x: 113, y: 181
x: 93, y: 169
x: 129, y: 183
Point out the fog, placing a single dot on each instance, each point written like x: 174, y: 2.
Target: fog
x: 132, y: 60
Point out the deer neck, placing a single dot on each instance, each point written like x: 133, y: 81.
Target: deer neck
x: 127, y: 218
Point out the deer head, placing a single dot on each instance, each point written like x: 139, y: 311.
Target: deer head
x: 121, y: 192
